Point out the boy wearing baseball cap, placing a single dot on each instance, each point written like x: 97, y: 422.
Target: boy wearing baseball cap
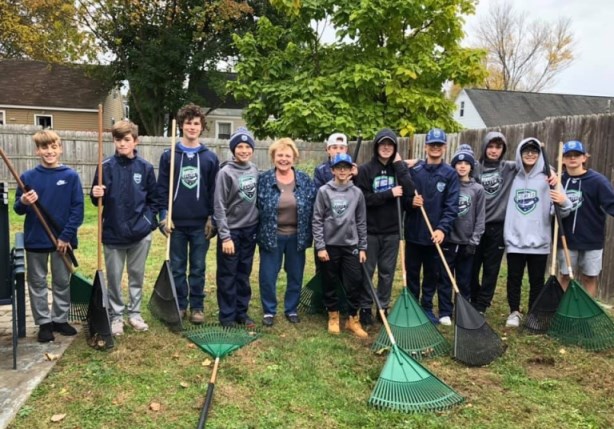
x: 340, y: 236
x: 337, y: 143
x: 592, y: 197
x: 236, y: 216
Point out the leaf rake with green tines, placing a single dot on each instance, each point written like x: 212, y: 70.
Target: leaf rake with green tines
x: 218, y: 341
x: 80, y: 294
x: 414, y: 332
x: 581, y: 321
x: 405, y: 385
x: 311, y: 300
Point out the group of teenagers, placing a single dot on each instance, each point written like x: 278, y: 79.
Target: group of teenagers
x: 355, y: 216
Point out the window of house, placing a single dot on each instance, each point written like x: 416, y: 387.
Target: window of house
x: 2, y: 117
x: 45, y: 121
x: 462, y: 109
x: 223, y: 130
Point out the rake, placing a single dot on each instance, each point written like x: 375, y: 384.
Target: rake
x: 163, y: 303
x: 475, y: 342
x: 579, y: 320
x: 412, y: 329
x: 405, y: 385
x: 217, y: 341
x: 541, y: 313
x: 312, y: 294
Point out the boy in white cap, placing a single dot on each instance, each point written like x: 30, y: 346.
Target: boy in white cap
x: 337, y: 143
x: 592, y: 197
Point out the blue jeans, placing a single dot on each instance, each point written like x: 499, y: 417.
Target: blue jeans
x: 192, y: 286
x: 270, y: 266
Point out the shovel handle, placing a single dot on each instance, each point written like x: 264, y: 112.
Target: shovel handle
x: 209, y: 396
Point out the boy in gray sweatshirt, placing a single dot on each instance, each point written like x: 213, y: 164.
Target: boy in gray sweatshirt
x: 459, y: 247
x: 340, y: 236
x: 236, y: 216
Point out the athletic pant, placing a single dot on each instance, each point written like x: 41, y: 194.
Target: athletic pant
x: 487, y: 257
x: 419, y: 257
x: 37, y: 270
x: 536, y: 265
x: 343, y: 262
x: 460, y: 265
x: 382, y: 251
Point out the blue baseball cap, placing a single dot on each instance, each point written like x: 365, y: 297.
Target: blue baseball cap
x: 341, y: 158
x: 435, y: 135
x: 573, y: 146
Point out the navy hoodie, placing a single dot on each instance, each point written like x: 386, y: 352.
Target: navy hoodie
x: 60, y: 192
x: 592, y: 197
x: 376, y: 181
x: 194, y: 185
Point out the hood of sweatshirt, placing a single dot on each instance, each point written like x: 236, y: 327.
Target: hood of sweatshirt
x: 385, y: 133
x: 537, y: 169
x: 487, y: 139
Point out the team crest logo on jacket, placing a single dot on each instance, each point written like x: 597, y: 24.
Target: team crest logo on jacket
x: 576, y: 199
x: 491, y: 182
x: 383, y: 183
x: 137, y: 177
x: 340, y: 206
x: 464, y: 204
x: 441, y: 186
x: 189, y: 177
x: 247, y: 188
x: 526, y: 200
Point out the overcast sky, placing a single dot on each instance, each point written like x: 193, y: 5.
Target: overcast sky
x: 593, y: 28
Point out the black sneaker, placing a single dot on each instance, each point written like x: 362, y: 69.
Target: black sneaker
x: 64, y: 328
x: 366, y: 317
x: 228, y: 323
x: 293, y: 318
x: 267, y: 320
x: 45, y: 333
x: 247, y: 321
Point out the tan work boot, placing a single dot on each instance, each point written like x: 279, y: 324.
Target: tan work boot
x: 197, y: 317
x: 353, y: 325
x: 333, y: 322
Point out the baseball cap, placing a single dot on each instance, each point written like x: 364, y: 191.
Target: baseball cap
x: 341, y: 158
x: 337, y: 138
x: 574, y: 146
x: 435, y: 135
x: 531, y: 144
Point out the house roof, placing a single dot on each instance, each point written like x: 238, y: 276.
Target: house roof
x: 513, y: 107
x: 36, y: 83
x: 211, y: 98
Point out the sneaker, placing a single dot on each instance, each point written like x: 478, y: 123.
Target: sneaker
x: 292, y: 318
x: 431, y: 316
x: 228, y: 323
x: 138, y: 324
x: 366, y: 317
x: 45, y: 333
x: 117, y: 327
x: 445, y: 321
x: 513, y: 320
x: 197, y: 317
x: 247, y: 321
x: 64, y: 328
x: 267, y: 320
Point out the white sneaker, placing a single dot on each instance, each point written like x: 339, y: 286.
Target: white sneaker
x: 117, y: 327
x: 445, y: 321
x: 138, y: 324
x: 513, y: 320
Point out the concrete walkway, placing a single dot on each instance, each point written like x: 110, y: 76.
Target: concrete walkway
x: 33, y: 363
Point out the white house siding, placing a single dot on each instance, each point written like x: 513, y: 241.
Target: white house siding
x: 217, y: 116
x: 471, y: 119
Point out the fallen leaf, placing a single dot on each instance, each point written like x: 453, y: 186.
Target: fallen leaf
x: 562, y: 351
x: 206, y: 362
x: 58, y: 417
x: 155, y: 406
x: 51, y: 356
x: 176, y: 355
x: 184, y: 384
x: 191, y: 345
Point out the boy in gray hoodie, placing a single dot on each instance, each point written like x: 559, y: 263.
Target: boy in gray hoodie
x: 236, y: 216
x: 340, y: 236
x: 459, y: 247
x: 527, y: 229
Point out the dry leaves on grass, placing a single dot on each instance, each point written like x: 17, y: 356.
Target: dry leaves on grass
x: 155, y: 406
x: 58, y: 417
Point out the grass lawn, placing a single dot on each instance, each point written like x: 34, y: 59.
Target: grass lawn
x: 301, y: 377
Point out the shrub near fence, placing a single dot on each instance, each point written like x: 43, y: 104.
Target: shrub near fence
x: 595, y: 131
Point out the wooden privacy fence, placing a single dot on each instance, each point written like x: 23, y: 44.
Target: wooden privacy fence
x: 595, y: 131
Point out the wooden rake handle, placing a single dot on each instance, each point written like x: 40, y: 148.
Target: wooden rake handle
x: 373, y: 293
x: 36, y: 209
x: 209, y: 396
x: 100, y: 183
x: 559, y: 170
x: 441, y: 255
x: 171, y: 182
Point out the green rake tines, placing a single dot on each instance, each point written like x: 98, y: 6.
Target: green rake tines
x: 413, y: 331
x: 580, y: 321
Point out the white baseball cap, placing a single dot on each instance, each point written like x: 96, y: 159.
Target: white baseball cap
x: 337, y: 138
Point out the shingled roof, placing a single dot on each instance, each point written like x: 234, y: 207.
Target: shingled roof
x: 36, y: 83
x: 513, y: 107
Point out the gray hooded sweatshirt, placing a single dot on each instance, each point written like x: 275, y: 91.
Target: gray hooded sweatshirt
x: 234, y: 201
x: 340, y: 217
x: 496, y: 177
x: 469, y: 225
x: 528, y: 218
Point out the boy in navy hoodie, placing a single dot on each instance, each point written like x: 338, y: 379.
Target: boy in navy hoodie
x: 438, y: 187
x: 130, y: 201
x: 236, y: 217
x: 194, y: 185
x: 592, y: 197
x: 58, y: 189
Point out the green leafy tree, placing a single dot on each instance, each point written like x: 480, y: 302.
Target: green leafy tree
x: 44, y: 30
x: 386, y: 67
x: 164, y: 49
